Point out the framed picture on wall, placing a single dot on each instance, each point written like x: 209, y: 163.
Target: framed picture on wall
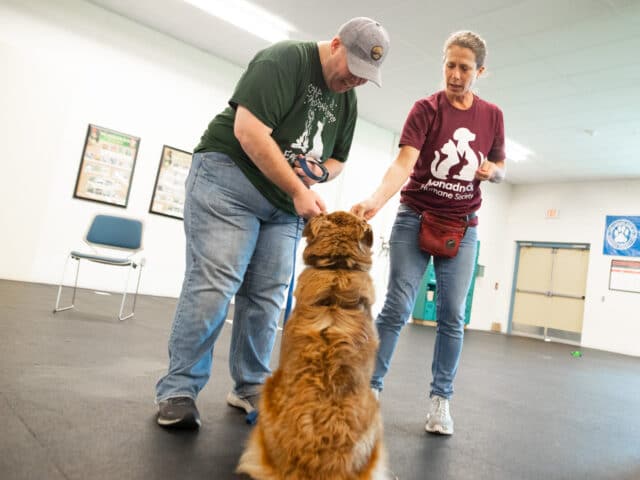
x: 168, y: 192
x: 106, y: 168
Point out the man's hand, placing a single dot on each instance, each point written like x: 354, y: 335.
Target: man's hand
x: 308, y: 203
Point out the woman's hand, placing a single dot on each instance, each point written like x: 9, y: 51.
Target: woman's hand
x: 367, y: 208
x: 492, y: 171
x: 484, y: 171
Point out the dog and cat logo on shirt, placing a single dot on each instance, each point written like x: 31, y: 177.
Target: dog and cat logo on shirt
x: 454, y: 152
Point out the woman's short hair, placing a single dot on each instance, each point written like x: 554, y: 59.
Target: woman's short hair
x: 470, y: 40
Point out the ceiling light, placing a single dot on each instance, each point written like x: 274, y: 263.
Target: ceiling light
x: 246, y: 16
x: 516, y: 152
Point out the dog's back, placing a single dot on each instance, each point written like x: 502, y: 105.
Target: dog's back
x: 318, y: 418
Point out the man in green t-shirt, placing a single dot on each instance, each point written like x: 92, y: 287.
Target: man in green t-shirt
x: 289, y: 125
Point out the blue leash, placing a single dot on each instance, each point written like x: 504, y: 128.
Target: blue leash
x: 304, y: 165
x: 287, y: 309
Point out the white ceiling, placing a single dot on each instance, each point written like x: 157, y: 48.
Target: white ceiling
x: 565, y: 72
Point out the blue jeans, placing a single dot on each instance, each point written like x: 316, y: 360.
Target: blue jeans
x: 237, y: 244
x: 453, y: 278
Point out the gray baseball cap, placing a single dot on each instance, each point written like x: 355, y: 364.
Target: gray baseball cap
x: 367, y: 44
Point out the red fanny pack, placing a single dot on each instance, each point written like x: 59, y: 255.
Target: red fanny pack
x: 441, y: 236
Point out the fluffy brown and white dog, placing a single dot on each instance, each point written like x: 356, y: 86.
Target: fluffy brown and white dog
x: 318, y: 418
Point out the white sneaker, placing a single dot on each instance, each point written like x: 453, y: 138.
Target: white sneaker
x: 376, y: 393
x: 439, y: 419
x: 248, y: 404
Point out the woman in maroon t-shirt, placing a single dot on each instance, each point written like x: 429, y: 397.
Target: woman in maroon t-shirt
x: 451, y: 141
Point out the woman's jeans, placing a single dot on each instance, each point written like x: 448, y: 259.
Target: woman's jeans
x: 237, y: 244
x: 453, y: 278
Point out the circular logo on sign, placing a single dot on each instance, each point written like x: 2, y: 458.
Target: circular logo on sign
x: 377, y: 52
x: 622, y: 234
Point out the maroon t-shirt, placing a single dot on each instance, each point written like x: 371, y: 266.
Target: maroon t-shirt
x: 452, y: 143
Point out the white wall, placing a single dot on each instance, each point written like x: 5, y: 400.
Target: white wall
x: 69, y: 63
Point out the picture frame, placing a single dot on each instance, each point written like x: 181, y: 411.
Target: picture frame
x: 106, y: 167
x: 169, y: 190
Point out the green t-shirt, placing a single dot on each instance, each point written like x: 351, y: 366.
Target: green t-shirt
x: 284, y: 88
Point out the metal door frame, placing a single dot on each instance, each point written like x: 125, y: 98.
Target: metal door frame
x: 519, y: 245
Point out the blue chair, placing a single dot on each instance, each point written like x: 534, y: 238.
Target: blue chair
x: 111, y: 232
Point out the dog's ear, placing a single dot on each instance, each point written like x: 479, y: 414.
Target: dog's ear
x: 367, y: 235
x: 313, y: 226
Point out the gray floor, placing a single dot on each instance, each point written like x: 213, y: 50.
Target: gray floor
x: 76, y: 402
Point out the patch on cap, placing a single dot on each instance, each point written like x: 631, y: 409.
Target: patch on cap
x: 377, y: 52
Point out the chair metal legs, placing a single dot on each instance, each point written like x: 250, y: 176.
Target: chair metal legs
x: 121, y: 315
x: 135, y: 296
x: 58, y: 308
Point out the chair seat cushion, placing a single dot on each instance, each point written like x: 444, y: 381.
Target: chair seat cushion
x: 102, y: 259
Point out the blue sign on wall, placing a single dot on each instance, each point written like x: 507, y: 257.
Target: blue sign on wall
x: 622, y: 236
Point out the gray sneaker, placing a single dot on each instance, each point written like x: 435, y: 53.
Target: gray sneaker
x: 439, y: 419
x: 248, y: 404
x: 178, y: 412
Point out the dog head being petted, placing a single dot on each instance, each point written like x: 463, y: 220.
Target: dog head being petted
x: 338, y: 240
